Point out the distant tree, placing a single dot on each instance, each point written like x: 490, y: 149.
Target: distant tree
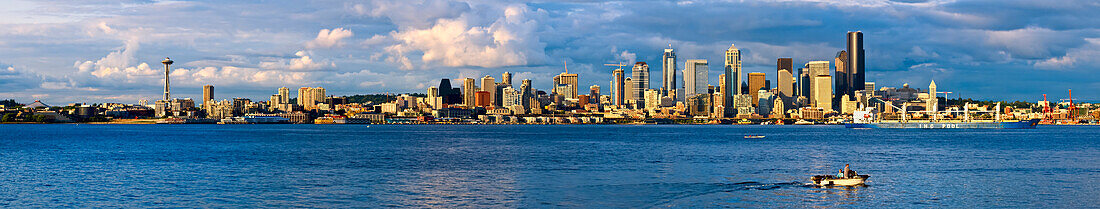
x: 10, y: 103
x: 10, y: 117
x: 40, y: 118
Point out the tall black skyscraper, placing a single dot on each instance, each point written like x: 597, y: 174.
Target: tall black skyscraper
x: 450, y: 95
x: 855, y: 61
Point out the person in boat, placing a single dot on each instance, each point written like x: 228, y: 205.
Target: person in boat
x: 840, y: 173
x: 847, y: 171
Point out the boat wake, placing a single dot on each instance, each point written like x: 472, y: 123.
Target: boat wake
x: 653, y: 195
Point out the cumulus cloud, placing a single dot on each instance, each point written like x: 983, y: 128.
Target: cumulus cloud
x: 329, y: 38
x: 508, y: 41
x: 303, y: 62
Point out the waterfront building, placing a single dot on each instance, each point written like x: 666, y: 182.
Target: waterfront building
x: 743, y: 104
x: 756, y: 83
x: 699, y: 105
x: 668, y: 72
x: 695, y: 77
x: 640, y: 78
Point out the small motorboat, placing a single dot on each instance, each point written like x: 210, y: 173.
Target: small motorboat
x: 803, y: 122
x: 754, y: 137
x: 832, y: 180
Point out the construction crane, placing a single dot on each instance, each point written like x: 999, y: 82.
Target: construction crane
x: 620, y: 65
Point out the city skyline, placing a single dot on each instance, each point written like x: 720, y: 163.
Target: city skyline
x: 381, y: 50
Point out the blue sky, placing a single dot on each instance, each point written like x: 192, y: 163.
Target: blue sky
x: 109, y: 51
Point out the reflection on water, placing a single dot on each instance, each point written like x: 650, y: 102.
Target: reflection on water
x: 288, y: 166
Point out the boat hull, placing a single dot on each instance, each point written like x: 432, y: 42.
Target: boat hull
x: 1025, y: 124
x: 830, y: 181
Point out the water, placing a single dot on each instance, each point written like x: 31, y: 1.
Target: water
x: 595, y: 166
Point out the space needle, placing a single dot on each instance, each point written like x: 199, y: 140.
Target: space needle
x: 167, y: 93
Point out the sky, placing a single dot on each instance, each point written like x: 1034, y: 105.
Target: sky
x: 92, y: 51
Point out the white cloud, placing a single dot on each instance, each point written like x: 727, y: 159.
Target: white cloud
x: 329, y: 38
x: 303, y: 62
x: 510, y: 40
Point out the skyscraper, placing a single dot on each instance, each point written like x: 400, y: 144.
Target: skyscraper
x: 167, y: 91
x: 207, y: 95
x: 756, y: 83
x: 449, y: 94
x: 841, y: 77
x: 856, y: 74
x: 526, y: 95
x: 783, y: 80
x: 489, y: 85
x: 506, y: 78
x: 695, y: 77
x: 568, y: 79
x: 469, y: 89
x: 594, y: 94
x: 284, y: 94
x: 733, y: 73
x: 640, y: 77
x: 823, y: 91
x: 817, y: 69
x: 618, y: 87
x: 668, y: 72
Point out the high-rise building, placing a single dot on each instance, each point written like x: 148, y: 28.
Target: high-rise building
x: 756, y: 83
x: 303, y: 94
x: 817, y: 69
x: 567, y: 79
x: 841, y: 76
x: 309, y: 97
x: 721, y: 104
x: 933, y: 99
x: 594, y: 94
x: 527, y: 96
x: 511, y: 97
x: 804, y: 82
x: 640, y: 77
x: 506, y: 78
x: 207, y: 95
x: 284, y: 94
x: 618, y: 88
x: 855, y: 64
x: 733, y: 71
x: 628, y: 96
x: 823, y: 91
x: 695, y: 77
x: 785, y: 85
x: 469, y: 89
x: 668, y: 72
x: 482, y: 99
x: 450, y: 94
x: 784, y: 68
x: 488, y: 84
